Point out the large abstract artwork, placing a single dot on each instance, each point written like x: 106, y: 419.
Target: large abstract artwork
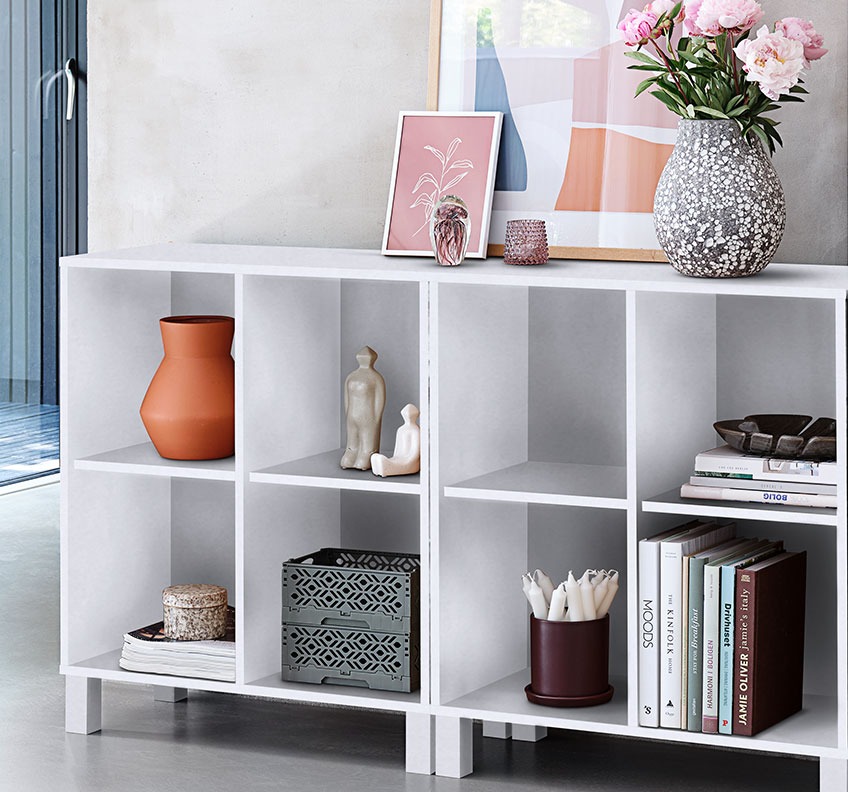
x: 577, y: 149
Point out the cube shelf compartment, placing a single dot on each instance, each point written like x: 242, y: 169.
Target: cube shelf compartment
x: 561, y: 408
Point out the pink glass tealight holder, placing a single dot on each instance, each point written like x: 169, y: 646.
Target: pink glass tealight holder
x: 526, y: 242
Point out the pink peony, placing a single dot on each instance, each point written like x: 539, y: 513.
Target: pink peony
x: 660, y: 7
x: 714, y: 17
x: 638, y: 27
x: 691, y: 8
x: 772, y: 60
x: 800, y: 30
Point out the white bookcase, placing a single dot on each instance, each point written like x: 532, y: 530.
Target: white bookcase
x: 561, y: 408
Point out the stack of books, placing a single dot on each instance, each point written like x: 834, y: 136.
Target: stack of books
x: 150, y: 651
x: 724, y: 473
x: 721, y: 630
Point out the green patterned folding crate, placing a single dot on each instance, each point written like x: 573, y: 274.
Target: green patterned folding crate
x: 352, y: 617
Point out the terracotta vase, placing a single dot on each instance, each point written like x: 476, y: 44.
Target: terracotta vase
x: 189, y: 407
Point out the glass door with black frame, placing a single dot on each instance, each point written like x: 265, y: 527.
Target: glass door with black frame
x: 42, y: 202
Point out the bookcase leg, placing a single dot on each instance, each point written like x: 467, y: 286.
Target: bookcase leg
x: 82, y: 705
x: 420, y: 743
x: 500, y: 731
x: 528, y: 733
x: 169, y: 694
x: 454, y: 747
x: 833, y: 775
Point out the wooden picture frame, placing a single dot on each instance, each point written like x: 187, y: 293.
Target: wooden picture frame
x: 605, y: 126
x: 437, y: 154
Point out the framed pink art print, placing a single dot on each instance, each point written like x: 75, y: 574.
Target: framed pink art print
x: 438, y: 154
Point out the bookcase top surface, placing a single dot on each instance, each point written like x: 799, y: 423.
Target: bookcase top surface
x: 783, y: 280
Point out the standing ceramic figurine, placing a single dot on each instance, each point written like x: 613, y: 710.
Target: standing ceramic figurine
x: 407, y: 456
x: 364, y: 399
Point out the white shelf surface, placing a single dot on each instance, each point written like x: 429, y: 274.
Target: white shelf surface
x: 144, y: 460
x: 556, y: 483
x: 322, y: 470
x: 106, y: 666
x: 274, y: 686
x: 505, y: 700
x: 811, y: 732
x: 671, y: 503
x: 779, y: 280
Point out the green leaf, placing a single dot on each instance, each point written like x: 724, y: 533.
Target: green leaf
x: 670, y: 102
x: 700, y: 95
x: 773, y: 133
x: 732, y: 103
x: 710, y: 112
x: 761, y: 135
x: 690, y: 111
x: 642, y: 57
x: 683, y: 44
x: 655, y: 67
x: 798, y: 89
x: 644, y: 85
x: 788, y: 98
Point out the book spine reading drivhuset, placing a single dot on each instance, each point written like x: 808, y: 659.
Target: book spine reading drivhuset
x: 695, y: 644
x: 769, y: 648
x: 710, y: 664
x: 727, y: 630
x: 672, y: 552
x: 727, y: 461
x: 758, y: 496
x: 650, y: 627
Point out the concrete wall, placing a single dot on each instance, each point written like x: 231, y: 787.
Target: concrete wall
x: 266, y: 121
x: 274, y: 122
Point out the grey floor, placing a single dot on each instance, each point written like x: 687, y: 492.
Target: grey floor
x: 221, y: 742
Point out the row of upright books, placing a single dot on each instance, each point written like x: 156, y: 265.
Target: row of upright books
x: 724, y: 473
x: 721, y: 630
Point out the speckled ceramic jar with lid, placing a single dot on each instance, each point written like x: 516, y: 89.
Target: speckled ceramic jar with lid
x: 195, y: 612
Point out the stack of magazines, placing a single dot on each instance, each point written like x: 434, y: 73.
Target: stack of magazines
x: 148, y: 650
x: 726, y: 474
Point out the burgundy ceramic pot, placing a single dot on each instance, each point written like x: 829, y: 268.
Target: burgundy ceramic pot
x: 569, y: 663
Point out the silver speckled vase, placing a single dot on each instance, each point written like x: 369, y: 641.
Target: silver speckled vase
x: 719, y: 209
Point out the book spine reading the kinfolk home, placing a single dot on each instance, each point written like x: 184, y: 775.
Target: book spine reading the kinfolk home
x: 769, y: 651
x: 649, y: 652
x: 757, y: 496
x: 672, y: 552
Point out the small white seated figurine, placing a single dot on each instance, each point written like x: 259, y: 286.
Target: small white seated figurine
x: 407, y: 455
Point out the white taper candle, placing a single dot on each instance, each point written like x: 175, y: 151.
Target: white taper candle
x: 575, y: 602
x: 557, y: 610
